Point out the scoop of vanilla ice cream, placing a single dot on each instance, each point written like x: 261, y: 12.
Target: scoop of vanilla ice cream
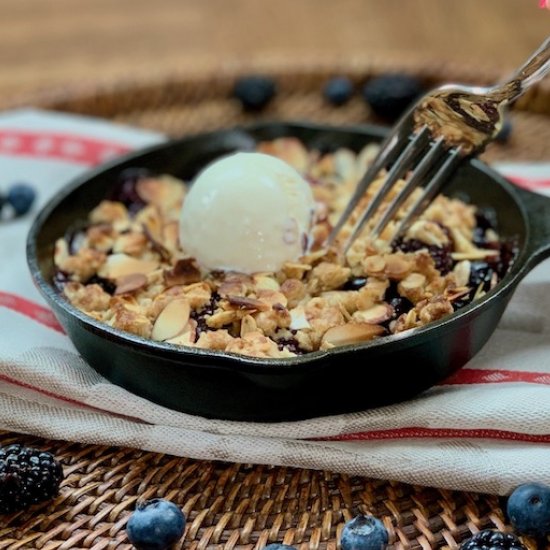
x: 247, y: 212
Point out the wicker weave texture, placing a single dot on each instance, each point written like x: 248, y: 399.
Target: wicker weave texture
x: 233, y: 505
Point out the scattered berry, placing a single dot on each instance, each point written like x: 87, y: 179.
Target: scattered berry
x: 492, y: 540
x: 277, y: 546
x: 528, y: 508
x: 155, y: 524
x: 486, y: 217
x: 504, y: 133
x: 355, y: 283
x: 21, y: 198
x: 389, y: 95
x: 364, y: 533
x: 338, y: 90
x: 480, y: 272
x: 254, y: 92
x: 27, y: 476
x: 125, y: 188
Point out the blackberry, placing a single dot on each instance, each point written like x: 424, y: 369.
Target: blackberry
x: 493, y: 540
x: 338, y: 90
x: 125, y: 190
x: 389, y: 95
x: 486, y: 218
x: 27, y: 476
x: 108, y: 286
x: 60, y: 279
x: 441, y: 255
x: 200, y: 315
x: 291, y: 344
x: 254, y: 92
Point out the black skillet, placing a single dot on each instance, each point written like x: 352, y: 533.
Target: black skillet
x: 220, y: 385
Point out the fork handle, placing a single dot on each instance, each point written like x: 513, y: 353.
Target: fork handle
x: 531, y: 72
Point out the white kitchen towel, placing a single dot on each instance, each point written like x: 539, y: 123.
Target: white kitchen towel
x: 487, y: 428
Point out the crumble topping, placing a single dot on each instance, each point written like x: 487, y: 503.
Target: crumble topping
x: 126, y: 268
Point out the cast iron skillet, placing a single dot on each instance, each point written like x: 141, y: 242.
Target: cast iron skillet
x: 221, y: 385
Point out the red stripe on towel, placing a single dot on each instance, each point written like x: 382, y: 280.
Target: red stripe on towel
x: 495, y: 376
x: 34, y: 311
x: 439, y: 433
x: 59, y: 146
x: 530, y: 183
x: 68, y: 400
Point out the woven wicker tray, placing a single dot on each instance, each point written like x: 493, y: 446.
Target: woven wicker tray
x: 235, y: 505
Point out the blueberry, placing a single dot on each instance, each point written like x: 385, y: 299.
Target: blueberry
x: 21, y: 198
x: 254, y: 92
x: 480, y: 272
x: 486, y: 217
x: 528, y: 508
x: 338, y: 90
x: 125, y: 188
x: 364, y: 533
x: 355, y: 283
x: 155, y: 524
x: 277, y: 546
x: 389, y: 95
x: 503, y: 134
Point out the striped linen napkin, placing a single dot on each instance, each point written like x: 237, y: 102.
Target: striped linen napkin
x: 487, y: 428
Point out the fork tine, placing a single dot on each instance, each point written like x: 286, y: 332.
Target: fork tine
x: 402, y: 164
x: 390, y: 149
x: 430, y: 190
x: 428, y: 161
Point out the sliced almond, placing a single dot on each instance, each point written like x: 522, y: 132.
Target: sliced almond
x: 248, y: 325
x: 374, y: 265
x: 264, y: 282
x: 461, y: 272
x: 172, y: 320
x: 61, y: 252
x: 184, y: 272
x: 474, y: 254
x: 119, y: 265
x: 298, y: 319
x: 251, y: 304
x: 222, y: 319
x: 350, y: 333
x: 413, y: 281
x: 428, y: 232
x: 232, y: 288
x: 397, y: 267
x: 295, y: 270
x: 452, y: 294
x: 272, y: 297
x: 188, y: 337
x: 156, y: 245
x: 130, y: 283
x: 375, y: 315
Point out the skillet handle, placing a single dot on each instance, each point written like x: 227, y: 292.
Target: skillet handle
x: 537, y: 208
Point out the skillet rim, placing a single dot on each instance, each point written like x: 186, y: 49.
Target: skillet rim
x: 244, y: 363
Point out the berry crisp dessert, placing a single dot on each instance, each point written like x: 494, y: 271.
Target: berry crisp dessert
x: 243, y: 267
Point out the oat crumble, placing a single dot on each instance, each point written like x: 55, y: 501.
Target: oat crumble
x: 127, y: 269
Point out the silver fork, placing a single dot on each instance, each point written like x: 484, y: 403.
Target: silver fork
x: 445, y: 126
